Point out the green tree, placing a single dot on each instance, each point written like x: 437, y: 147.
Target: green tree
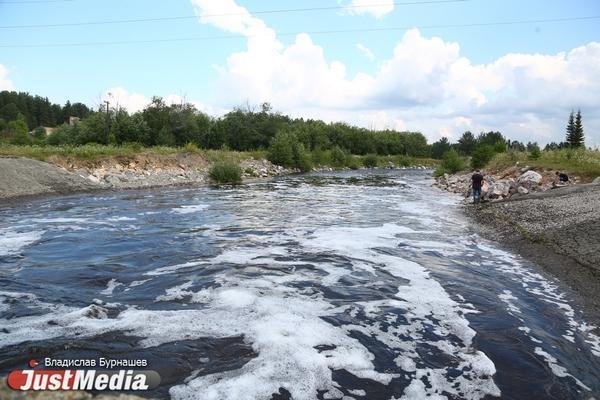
x: 481, y: 156
x: 18, y: 131
x: 451, y: 163
x: 439, y: 148
x: 467, y: 143
x: 576, y: 138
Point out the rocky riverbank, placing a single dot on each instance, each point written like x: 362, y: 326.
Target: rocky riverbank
x: 63, y: 175
x: 559, y: 229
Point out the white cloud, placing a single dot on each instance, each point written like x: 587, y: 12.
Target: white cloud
x: 5, y: 83
x: 426, y: 84
x: 134, y: 102
x: 377, y: 8
x: 366, y: 51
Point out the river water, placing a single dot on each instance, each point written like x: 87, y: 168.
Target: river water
x: 364, y: 285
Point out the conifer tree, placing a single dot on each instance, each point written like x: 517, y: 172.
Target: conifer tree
x: 570, y: 128
x: 577, y: 139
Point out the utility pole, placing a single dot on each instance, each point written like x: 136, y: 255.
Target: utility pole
x: 106, y: 127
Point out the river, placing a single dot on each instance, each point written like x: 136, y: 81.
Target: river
x: 362, y: 284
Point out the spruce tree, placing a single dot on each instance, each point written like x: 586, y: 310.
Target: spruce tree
x: 578, y: 140
x: 570, y: 128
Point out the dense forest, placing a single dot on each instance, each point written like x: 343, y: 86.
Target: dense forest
x: 161, y: 124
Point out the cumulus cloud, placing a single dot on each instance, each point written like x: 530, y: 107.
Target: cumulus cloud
x: 376, y: 8
x: 425, y: 83
x: 134, y: 102
x: 5, y: 83
x: 366, y: 51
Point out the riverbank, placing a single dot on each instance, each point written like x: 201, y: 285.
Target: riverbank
x: 72, y: 172
x: 65, y: 175
x: 558, y: 229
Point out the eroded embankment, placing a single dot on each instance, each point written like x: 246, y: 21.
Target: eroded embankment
x: 63, y: 175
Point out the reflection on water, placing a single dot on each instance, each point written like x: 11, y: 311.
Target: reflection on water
x: 361, y: 285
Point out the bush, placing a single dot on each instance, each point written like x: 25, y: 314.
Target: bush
x: 451, y: 163
x: 281, y: 149
x: 352, y: 163
x: 535, y: 153
x: 481, y: 156
x: 321, y: 157
x: 338, y: 157
x: 190, y: 147
x: 302, y: 158
x: 370, y: 161
x: 225, y: 172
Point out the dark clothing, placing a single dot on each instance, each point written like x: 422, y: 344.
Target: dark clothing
x: 563, y: 177
x: 477, y: 180
x: 476, y: 195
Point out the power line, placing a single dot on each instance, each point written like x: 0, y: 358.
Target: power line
x: 35, y: 1
x: 176, y: 18
x: 200, y: 38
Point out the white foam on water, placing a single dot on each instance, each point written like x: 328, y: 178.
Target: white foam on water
x: 190, y: 209
x: 173, y: 268
x: 110, y: 287
x: 12, y: 242
x: 557, y: 369
x: 546, y: 291
x: 120, y: 219
x: 61, y: 220
x: 508, y: 298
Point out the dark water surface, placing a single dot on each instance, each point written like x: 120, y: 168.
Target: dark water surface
x: 364, y: 285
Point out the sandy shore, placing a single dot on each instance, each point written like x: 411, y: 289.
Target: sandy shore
x: 557, y: 229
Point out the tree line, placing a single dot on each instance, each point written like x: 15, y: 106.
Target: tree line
x: 37, y: 111
x: 161, y: 124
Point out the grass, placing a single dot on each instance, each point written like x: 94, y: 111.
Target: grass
x: 94, y: 152
x: 98, y: 151
x: 581, y: 162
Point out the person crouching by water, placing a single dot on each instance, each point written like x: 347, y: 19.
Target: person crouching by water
x: 477, y: 179
x: 561, y: 179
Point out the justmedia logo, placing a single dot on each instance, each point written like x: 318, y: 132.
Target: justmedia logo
x: 79, y: 379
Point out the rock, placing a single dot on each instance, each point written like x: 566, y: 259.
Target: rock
x: 596, y: 181
x: 499, y: 189
x: 530, y: 178
x: 522, y: 190
x: 112, y: 180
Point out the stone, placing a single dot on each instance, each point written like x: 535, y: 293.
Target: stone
x: 522, y: 190
x: 530, y: 178
x: 112, y: 180
x: 596, y: 181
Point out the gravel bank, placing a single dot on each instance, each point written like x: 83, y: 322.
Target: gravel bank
x: 558, y: 229
x: 26, y: 177
x: 21, y: 177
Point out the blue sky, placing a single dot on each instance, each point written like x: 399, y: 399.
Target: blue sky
x: 204, y: 71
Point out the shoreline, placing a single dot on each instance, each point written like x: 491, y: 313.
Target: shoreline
x: 557, y: 229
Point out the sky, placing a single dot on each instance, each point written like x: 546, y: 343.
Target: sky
x: 440, y: 67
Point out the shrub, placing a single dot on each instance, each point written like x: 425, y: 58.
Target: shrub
x: 302, y: 158
x: 370, y: 161
x: 481, y: 156
x: 451, y: 163
x: 281, y: 149
x: 338, y: 157
x: 352, y: 163
x: 225, y: 172
x: 535, y: 153
x: 321, y: 157
x: 190, y: 147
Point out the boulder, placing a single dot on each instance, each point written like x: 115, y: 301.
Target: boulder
x: 596, y: 181
x: 499, y: 189
x: 530, y: 178
x: 522, y: 190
